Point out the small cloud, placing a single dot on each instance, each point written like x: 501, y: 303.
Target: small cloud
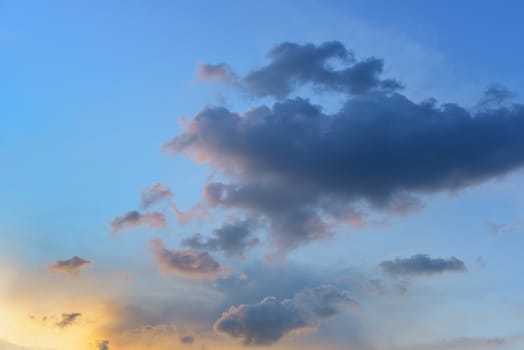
x: 68, y: 319
x: 232, y: 238
x: 422, y: 264
x: 218, y: 72
x: 187, y: 339
x: 72, y: 266
x: 266, y: 322
x: 155, y: 194
x: 187, y: 263
x: 134, y: 219
x: 102, y: 344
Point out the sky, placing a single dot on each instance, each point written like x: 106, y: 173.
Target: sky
x: 339, y: 175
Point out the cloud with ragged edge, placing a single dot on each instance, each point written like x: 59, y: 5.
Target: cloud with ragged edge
x: 186, y: 262
x: 232, y: 238
x: 134, y: 218
x: 72, y: 266
x: 68, y: 319
x: 266, y: 322
x: 304, y: 172
x: 155, y: 194
x: 422, y: 264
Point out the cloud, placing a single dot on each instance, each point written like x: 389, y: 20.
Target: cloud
x: 72, y: 266
x: 293, y: 65
x: 232, y: 238
x: 218, y: 72
x: 134, y: 219
x: 266, y: 322
x: 186, y: 262
x: 422, y: 264
x: 155, y: 194
x: 187, y: 339
x: 103, y: 344
x: 198, y: 212
x: 68, y: 319
x: 305, y: 171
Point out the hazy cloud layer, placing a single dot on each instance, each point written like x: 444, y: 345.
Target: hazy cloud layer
x: 232, y: 238
x: 72, y: 266
x: 305, y: 171
x: 264, y: 323
x: 421, y: 264
x: 155, y: 194
x: 134, y: 219
x: 186, y: 262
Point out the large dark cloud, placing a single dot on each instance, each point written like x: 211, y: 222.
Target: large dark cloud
x: 304, y: 170
x: 233, y: 238
x: 422, y: 264
x: 72, y: 266
x: 264, y: 323
x: 186, y: 262
x: 134, y: 218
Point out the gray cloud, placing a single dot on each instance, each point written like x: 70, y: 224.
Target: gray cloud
x: 304, y: 171
x: 72, y: 266
x: 134, y: 219
x: 187, y: 339
x: 232, y: 238
x: 422, y: 264
x: 292, y: 65
x: 68, y: 319
x: 266, y: 322
x: 186, y: 262
x: 155, y: 194
x: 103, y: 344
x: 218, y: 72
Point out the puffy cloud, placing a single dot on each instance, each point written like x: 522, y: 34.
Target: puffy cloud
x: 422, y: 264
x: 232, y: 238
x: 155, y: 194
x: 218, y: 72
x: 292, y: 65
x: 72, y: 266
x: 187, y: 339
x: 186, y: 262
x: 266, y: 322
x: 305, y: 171
x: 68, y: 319
x: 134, y: 219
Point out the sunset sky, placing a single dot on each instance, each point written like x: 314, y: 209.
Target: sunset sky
x: 298, y: 174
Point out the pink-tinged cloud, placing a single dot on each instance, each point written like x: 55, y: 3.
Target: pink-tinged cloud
x: 72, y: 266
x: 134, y: 219
x: 155, y: 194
x: 187, y: 263
x: 198, y: 212
x: 217, y: 72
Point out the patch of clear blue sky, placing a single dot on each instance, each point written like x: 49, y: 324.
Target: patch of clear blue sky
x: 91, y: 90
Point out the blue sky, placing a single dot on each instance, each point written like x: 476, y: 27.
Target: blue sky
x: 91, y: 92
